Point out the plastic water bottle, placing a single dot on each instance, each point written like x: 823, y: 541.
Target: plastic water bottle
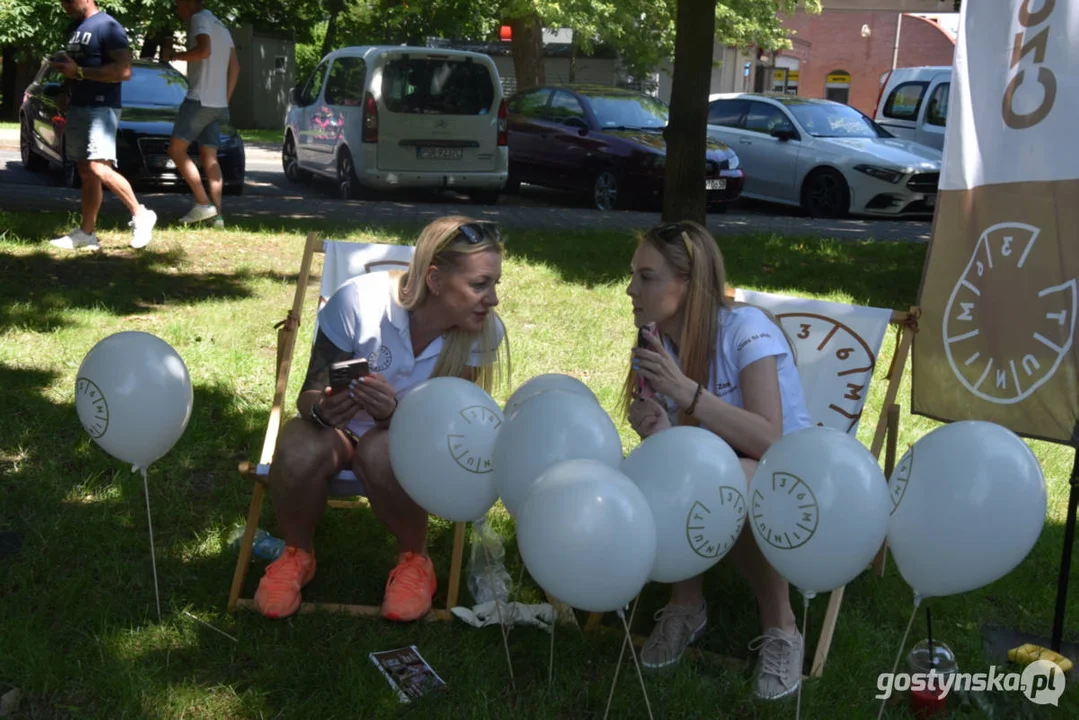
x: 266, y: 546
x: 485, y: 566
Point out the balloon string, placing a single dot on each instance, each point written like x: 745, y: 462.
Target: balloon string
x: 618, y: 667
x: 637, y: 665
x: 550, y: 661
x: 150, y: 525
x: 805, y: 623
x: 498, y: 609
x: 902, y: 644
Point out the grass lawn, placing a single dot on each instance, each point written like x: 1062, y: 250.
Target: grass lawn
x: 9, y: 126
x: 263, y: 137
x: 78, y: 632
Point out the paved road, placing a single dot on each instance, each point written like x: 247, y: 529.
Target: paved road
x: 268, y: 196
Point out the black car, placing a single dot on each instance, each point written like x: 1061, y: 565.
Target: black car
x: 607, y: 142
x: 151, y: 99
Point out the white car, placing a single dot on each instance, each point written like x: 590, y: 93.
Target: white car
x: 400, y: 117
x: 823, y: 156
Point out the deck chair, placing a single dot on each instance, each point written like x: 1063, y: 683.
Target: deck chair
x: 343, y: 261
x: 837, y: 348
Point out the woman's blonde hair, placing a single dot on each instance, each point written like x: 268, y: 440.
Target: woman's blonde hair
x: 693, y: 255
x: 442, y: 244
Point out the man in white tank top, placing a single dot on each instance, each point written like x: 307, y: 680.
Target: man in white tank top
x: 212, y: 70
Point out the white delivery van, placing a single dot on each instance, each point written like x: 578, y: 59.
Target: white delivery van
x: 913, y: 104
x: 389, y: 117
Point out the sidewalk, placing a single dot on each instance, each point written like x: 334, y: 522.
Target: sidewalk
x: 9, y: 138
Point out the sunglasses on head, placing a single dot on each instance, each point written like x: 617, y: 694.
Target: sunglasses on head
x: 675, y: 231
x: 476, y: 232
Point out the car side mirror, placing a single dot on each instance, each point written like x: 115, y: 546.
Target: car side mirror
x: 783, y: 135
x: 294, y: 96
x: 575, y: 122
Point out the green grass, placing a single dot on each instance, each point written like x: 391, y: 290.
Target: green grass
x: 78, y: 633
x: 9, y: 126
x: 262, y: 137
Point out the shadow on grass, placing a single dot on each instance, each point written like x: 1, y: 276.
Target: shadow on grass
x: 37, y: 291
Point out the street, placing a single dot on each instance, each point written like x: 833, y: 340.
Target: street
x: 268, y: 195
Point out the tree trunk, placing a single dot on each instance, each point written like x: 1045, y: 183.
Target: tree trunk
x: 573, y: 60
x: 695, y: 29
x: 527, y: 50
x: 8, y: 85
x: 335, y: 9
x: 155, y: 41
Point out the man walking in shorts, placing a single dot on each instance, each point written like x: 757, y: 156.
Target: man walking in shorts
x: 211, y: 75
x: 96, y: 61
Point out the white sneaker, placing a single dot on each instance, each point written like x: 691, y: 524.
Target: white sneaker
x: 142, y: 226
x: 77, y: 240
x: 199, y: 213
x: 219, y: 223
x: 779, y: 666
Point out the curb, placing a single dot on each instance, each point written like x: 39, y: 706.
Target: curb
x: 9, y: 145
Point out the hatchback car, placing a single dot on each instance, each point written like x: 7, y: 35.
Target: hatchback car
x: 604, y: 141
x: 825, y: 156
x: 150, y: 99
x: 400, y: 117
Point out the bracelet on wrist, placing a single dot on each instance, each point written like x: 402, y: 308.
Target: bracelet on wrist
x: 696, y: 397
x: 314, y: 416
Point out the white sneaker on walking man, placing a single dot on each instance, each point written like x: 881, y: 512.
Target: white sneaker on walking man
x: 212, y: 71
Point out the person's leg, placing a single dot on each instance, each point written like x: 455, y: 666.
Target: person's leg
x: 101, y: 152
x: 412, y: 583
x: 779, y: 665
x: 185, y: 130
x: 77, y: 146
x: 92, y: 195
x: 209, y: 139
x: 306, y: 459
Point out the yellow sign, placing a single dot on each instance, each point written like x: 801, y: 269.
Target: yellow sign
x: 793, y: 76
x: 777, y: 75
x: 838, y: 78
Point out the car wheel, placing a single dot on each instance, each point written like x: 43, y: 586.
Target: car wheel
x: 605, y: 191
x: 513, y: 183
x: 30, y: 159
x: 348, y: 185
x: 826, y: 194
x: 233, y: 190
x: 290, y: 163
x: 69, y: 170
x: 484, y: 197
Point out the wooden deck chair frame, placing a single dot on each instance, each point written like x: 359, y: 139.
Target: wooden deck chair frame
x: 287, y: 331
x: 885, y: 436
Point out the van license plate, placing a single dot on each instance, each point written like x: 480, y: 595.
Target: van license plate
x: 720, y: 184
x: 439, y: 153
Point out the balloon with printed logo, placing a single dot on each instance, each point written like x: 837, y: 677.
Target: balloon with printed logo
x: 133, y: 396
x: 695, y: 487
x: 441, y: 440
x: 586, y: 535
x: 818, y: 506
x: 553, y: 426
x: 968, y: 503
x: 542, y: 383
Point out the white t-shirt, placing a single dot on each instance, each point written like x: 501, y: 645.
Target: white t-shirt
x: 745, y: 336
x: 365, y: 318
x: 208, y: 79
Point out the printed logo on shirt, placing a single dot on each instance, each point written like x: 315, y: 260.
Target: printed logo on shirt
x: 751, y: 338
x: 724, y: 388
x: 79, y: 38
x: 380, y: 359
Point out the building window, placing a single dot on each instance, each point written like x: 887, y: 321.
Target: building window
x: 837, y: 86
x: 279, y: 63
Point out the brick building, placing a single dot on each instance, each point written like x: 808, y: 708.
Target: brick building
x: 843, y: 55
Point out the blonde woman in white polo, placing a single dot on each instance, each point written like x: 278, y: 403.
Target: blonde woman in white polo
x: 435, y: 319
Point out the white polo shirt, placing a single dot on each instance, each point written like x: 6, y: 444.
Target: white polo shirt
x: 208, y: 79
x: 745, y: 336
x: 365, y: 318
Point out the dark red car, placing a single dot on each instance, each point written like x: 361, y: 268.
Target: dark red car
x: 607, y: 142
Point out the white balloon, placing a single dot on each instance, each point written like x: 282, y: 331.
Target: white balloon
x: 587, y: 536
x: 542, y: 383
x: 819, y: 507
x: 695, y: 487
x: 133, y: 396
x: 551, y: 427
x: 968, y: 505
x: 441, y: 439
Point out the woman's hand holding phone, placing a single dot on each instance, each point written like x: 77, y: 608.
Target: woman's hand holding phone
x: 337, y: 408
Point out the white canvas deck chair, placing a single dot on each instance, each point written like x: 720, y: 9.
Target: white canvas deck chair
x: 837, y: 347
x: 343, y: 261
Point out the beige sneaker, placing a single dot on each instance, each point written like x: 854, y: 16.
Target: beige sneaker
x: 779, y: 666
x: 676, y: 627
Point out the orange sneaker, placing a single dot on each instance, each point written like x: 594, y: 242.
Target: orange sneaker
x: 278, y: 595
x: 410, y: 588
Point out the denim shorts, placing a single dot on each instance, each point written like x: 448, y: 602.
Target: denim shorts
x: 90, y: 133
x: 196, y: 122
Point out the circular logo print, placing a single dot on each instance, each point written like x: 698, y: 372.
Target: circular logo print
x: 472, y: 448
x: 380, y: 359
x: 92, y: 407
x: 900, y: 476
x: 709, y: 531
x: 786, y: 514
x: 1004, y: 362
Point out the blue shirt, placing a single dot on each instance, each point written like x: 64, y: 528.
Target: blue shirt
x: 89, y: 43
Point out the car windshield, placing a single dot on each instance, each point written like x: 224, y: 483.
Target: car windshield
x: 838, y: 121
x: 154, y: 87
x: 437, y: 86
x: 629, y: 111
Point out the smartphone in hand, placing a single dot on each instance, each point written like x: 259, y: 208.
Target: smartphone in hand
x: 344, y: 372
x: 644, y: 390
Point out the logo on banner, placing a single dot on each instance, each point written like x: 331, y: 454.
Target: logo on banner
x: 1004, y: 359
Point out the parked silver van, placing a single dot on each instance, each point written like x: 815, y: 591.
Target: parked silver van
x: 913, y: 104
x: 390, y: 117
